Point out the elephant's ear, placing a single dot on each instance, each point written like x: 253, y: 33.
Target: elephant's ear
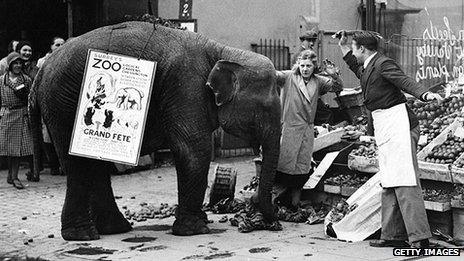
x: 223, y: 80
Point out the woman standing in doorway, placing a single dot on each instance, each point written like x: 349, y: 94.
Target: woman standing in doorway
x: 15, y: 132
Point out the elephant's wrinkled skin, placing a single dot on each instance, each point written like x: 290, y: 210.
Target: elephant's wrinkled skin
x: 242, y: 98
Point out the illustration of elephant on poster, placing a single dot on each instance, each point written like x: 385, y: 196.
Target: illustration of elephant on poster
x: 127, y: 98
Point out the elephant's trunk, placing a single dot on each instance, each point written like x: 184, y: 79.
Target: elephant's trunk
x: 270, y: 150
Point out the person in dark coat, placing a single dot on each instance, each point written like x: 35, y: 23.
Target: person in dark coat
x: 396, y: 131
x: 15, y: 132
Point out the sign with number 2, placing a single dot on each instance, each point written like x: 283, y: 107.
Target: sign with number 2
x: 185, y: 9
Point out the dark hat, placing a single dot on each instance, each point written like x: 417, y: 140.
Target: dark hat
x: 13, y: 56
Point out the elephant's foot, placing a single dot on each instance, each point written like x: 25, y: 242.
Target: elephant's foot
x: 80, y: 234
x: 189, y: 226
x: 112, y: 222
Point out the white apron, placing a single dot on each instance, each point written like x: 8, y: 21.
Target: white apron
x: 392, y: 134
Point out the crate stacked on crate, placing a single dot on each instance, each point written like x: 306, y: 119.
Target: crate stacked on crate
x: 344, y: 184
x: 443, y: 158
x: 457, y: 206
x: 437, y: 199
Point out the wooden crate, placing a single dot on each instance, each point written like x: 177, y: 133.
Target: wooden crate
x: 437, y: 206
x: 458, y: 223
x: 440, y: 172
x: 332, y: 189
x: 328, y: 139
x: 441, y: 220
x: 348, y: 191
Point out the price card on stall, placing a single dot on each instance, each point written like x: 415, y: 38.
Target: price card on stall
x: 320, y: 171
x: 113, y: 106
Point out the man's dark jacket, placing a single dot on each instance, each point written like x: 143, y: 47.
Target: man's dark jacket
x: 382, y: 83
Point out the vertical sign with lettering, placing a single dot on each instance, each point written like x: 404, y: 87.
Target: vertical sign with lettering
x: 185, y: 9
x: 113, y: 107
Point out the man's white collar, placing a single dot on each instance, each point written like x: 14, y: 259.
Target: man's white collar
x: 366, y: 62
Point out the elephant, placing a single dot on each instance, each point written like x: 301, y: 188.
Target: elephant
x: 200, y: 85
x: 128, y: 97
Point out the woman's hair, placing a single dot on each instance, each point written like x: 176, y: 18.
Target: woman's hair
x: 11, y: 45
x: 21, y: 44
x: 304, y: 55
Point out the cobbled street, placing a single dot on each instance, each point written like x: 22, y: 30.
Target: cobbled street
x: 34, y: 214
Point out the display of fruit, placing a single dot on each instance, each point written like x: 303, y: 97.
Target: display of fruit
x: 448, y: 152
x: 436, y: 195
x: 356, y: 181
x: 434, y: 117
x: 458, y: 190
x: 368, y: 150
x: 347, y: 180
x: 353, y: 132
x: 459, y: 163
x: 458, y: 194
x: 334, y: 180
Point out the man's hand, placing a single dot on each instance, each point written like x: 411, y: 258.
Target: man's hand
x: 343, y: 39
x: 343, y: 42
x: 330, y: 68
x: 430, y: 96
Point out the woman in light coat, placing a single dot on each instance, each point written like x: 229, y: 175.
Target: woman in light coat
x: 300, y: 90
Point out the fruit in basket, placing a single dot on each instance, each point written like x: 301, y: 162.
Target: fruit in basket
x: 368, y: 151
x: 356, y: 181
x: 448, y: 152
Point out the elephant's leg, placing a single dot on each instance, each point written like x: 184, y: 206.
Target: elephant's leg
x: 108, y: 219
x: 192, y: 157
x: 76, y: 218
x: 76, y: 221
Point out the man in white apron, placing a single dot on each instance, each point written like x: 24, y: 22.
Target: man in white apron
x: 396, y: 130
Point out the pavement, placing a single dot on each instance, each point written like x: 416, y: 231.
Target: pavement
x: 32, y: 215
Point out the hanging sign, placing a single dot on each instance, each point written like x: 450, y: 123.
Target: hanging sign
x: 112, y: 108
x: 185, y: 9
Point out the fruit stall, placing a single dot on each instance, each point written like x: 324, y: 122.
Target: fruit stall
x: 440, y: 156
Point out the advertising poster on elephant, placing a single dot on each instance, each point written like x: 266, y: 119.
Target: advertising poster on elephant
x: 113, y: 106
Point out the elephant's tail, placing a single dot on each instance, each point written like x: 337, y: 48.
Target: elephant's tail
x: 35, y: 121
